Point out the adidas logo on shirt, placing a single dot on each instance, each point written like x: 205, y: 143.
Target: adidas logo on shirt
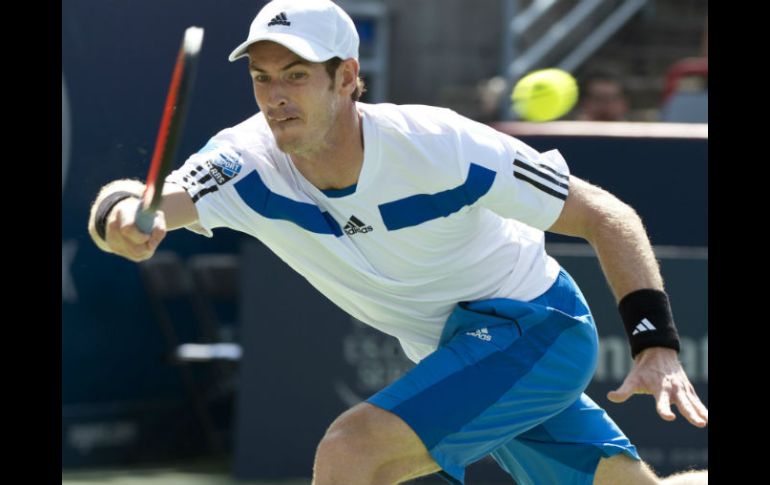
x: 354, y: 226
x: 279, y: 19
x: 481, y: 333
x: 644, y: 326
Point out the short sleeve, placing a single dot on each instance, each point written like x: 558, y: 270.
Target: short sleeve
x: 525, y: 185
x: 208, y: 177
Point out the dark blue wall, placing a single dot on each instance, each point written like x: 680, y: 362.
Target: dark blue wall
x: 121, y: 401
x: 665, y: 180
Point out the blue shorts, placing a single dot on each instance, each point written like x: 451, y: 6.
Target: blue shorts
x: 508, y: 380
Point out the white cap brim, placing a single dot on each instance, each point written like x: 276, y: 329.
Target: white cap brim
x: 298, y: 45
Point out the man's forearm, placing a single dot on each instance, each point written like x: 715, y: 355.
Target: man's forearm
x: 625, y: 253
x: 178, y: 206
x: 616, y: 233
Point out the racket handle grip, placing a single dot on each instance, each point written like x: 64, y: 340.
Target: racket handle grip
x: 144, y: 219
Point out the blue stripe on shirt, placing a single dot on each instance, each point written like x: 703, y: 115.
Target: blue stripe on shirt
x: 262, y: 200
x: 417, y: 209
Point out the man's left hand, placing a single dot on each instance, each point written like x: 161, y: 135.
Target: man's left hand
x: 657, y: 371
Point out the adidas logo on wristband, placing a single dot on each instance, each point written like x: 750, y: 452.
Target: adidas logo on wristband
x: 644, y: 326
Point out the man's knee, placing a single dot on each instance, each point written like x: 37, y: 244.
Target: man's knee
x: 369, y: 443
x: 350, y: 436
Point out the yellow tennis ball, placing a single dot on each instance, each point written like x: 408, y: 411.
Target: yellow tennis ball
x: 544, y: 95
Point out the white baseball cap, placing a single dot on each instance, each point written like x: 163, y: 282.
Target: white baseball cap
x: 315, y: 30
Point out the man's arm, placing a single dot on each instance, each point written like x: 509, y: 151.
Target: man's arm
x: 121, y: 236
x: 617, y: 234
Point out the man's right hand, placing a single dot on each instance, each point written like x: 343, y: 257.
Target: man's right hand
x: 122, y: 236
x: 125, y: 239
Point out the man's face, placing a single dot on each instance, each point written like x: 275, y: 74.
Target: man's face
x: 605, y: 101
x: 296, y: 96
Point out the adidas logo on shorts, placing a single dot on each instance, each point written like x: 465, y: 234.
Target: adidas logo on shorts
x: 481, y: 333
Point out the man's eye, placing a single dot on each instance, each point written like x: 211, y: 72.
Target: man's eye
x: 261, y: 78
x: 295, y: 76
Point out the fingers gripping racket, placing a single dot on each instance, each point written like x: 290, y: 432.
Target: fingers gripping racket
x: 170, y: 127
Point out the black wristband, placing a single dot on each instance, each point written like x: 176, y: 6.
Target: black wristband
x: 104, y: 209
x: 648, y: 320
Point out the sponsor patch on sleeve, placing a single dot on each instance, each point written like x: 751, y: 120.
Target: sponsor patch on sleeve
x: 224, y: 166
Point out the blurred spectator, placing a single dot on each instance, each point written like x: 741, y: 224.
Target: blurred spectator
x: 602, y: 97
x: 685, y: 92
x: 491, y: 93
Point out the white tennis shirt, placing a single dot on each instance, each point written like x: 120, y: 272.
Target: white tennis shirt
x: 445, y: 210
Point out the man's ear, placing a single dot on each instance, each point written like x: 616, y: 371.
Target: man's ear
x: 347, y: 75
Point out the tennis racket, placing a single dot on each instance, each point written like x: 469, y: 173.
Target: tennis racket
x: 170, y: 127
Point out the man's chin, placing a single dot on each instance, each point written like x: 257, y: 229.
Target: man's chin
x: 291, y: 142
x: 283, y: 141
x: 287, y: 145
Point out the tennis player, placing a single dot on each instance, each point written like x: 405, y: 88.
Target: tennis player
x: 429, y: 227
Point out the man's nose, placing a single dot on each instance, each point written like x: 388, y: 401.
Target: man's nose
x: 276, y: 95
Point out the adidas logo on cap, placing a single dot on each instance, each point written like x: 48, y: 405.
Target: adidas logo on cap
x: 279, y: 19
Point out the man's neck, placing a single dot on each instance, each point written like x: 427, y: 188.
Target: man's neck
x: 337, y: 164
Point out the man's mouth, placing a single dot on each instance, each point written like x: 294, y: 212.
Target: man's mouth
x: 282, y: 119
